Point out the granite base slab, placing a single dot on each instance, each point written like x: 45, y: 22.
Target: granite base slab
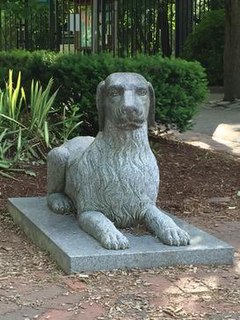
x: 76, y: 251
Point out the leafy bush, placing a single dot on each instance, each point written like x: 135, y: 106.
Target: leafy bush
x: 24, y: 129
x: 179, y: 85
x: 11, y: 101
x: 32, y: 65
x: 206, y: 45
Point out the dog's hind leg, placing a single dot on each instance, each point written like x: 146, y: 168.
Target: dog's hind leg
x: 56, y: 169
x: 102, y: 229
x: 165, y: 228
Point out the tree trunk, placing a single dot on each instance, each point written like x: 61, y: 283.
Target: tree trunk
x: 232, y: 50
x: 184, y: 23
x: 163, y: 25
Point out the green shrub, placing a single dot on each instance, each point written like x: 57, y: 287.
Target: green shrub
x: 12, y: 101
x: 180, y: 86
x: 206, y: 45
x: 32, y: 65
x: 25, y: 130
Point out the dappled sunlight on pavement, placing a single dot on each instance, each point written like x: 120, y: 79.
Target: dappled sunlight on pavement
x: 216, y: 127
x: 208, y: 143
x: 228, y: 135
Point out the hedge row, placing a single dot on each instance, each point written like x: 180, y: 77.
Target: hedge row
x: 180, y: 86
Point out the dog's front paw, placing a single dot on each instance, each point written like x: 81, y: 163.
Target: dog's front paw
x: 174, y: 236
x: 59, y: 203
x: 114, y: 240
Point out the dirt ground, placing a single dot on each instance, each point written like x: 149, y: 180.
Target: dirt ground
x: 200, y: 185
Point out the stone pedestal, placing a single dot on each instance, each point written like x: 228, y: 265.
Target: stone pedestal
x: 76, y: 251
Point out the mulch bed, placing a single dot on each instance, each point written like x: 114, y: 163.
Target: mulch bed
x: 193, y: 181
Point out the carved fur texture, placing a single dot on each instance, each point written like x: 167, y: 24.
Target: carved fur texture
x: 112, y: 181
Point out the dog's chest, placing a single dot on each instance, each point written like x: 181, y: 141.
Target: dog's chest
x: 124, y: 171
x: 113, y: 180
x: 132, y: 168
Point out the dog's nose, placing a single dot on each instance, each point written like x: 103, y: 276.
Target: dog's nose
x: 129, y: 105
x: 131, y: 110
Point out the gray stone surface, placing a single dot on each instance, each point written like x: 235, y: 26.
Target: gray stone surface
x: 209, y: 118
x: 112, y: 181
x: 75, y: 251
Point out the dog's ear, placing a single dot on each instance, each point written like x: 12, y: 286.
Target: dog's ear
x: 151, y: 114
x: 100, y: 104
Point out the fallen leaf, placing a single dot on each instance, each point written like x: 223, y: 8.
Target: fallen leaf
x: 6, y: 175
x: 31, y: 173
x: 83, y: 276
x: 6, y: 248
x: 170, y: 312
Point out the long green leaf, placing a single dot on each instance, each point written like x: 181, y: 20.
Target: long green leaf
x: 3, y: 134
x: 15, y: 107
x: 12, y: 99
x: 46, y: 134
x: 5, y: 164
x: 41, y: 103
x: 12, y: 120
x: 73, y: 128
x: 19, y: 141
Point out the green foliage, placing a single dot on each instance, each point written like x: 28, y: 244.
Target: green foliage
x: 22, y: 8
x: 5, y: 146
x: 24, y: 131
x: 11, y: 101
x: 68, y: 127
x: 40, y: 106
x: 35, y: 65
x: 180, y: 86
x: 206, y: 45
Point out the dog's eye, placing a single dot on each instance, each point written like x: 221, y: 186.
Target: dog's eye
x: 114, y: 92
x: 142, y: 92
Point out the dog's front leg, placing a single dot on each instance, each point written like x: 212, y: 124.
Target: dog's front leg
x: 102, y: 229
x: 165, y: 228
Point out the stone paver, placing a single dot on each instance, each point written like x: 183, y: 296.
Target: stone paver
x: 160, y: 284
x: 6, y: 306
x: 191, y: 285
x: 75, y: 284
x: 45, y: 293
x: 55, y: 314
x: 85, y: 311
x: 22, y: 313
x: 91, y: 311
x: 227, y: 316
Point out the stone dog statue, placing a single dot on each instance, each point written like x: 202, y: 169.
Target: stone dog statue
x: 112, y: 181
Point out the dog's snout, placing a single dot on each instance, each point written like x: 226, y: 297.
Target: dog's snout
x: 129, y: 103
x: 131, y: 110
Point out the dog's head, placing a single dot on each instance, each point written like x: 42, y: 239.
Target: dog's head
x: 127, y: 100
